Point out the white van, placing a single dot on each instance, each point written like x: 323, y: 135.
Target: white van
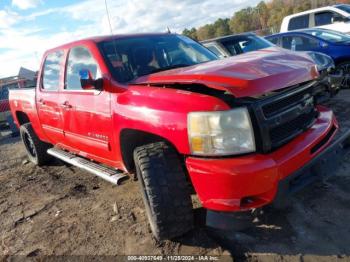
x: 336, y: 17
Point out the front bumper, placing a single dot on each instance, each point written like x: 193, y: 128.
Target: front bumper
x: 329, y: 85
x: 251, y: 181
x: 322, y: 166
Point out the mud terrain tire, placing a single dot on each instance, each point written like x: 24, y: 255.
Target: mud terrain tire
x: 35, y: 148
x: 165, y: 190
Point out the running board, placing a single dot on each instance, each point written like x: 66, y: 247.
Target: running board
x: 109, y: 174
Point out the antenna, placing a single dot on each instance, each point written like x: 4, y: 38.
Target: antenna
x: 110, y: 27
x: 108, y: 17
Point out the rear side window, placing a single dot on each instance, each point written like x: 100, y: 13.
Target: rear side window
x: 300, y: 43
x: 52, y: 68
x: 79, y: 59
x: 299, y: 22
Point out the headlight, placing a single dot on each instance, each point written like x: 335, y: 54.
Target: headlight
x: 221, y: 133
x: 322, y: 61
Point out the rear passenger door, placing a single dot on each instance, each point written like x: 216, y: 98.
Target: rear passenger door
x: 47, y: 97
x: 87, y: 113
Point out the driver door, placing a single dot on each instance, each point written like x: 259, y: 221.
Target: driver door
x: 331, y: 20
x: 87, y: 113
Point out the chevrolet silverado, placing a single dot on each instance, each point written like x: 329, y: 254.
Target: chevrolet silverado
x: 239, y: 132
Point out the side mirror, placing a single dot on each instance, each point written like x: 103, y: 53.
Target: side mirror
x: 87, y: 82
x: 337, y: 19
x: 323, y: 44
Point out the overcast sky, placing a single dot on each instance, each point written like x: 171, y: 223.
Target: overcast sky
x: 29, y: 27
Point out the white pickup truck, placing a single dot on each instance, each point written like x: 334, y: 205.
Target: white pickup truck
x: 336, y: 17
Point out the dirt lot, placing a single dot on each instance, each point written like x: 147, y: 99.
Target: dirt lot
x: 61, y: 210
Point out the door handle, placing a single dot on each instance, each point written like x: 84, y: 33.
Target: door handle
x: 41, y: 101
x: 66, y: 105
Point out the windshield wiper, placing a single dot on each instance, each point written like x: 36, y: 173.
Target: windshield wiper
x: 168, y: 68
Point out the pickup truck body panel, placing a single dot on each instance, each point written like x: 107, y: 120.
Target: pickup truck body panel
x: 50, y: 115
x: 88, y: 124
x: 91, y: 122
x: 23, y: 100
x: 91, y: 127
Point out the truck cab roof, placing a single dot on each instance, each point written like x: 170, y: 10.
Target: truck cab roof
x: 99, y: 39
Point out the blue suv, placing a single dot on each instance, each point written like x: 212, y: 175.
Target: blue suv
x: 332, y: 43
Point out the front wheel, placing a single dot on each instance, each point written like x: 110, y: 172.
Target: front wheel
x: 164, y: 190
x: 36, y: 149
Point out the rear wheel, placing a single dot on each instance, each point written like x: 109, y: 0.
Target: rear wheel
x: 164, y: 190
x: 36, y: 149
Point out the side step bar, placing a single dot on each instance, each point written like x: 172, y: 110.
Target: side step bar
x: 109, y: 174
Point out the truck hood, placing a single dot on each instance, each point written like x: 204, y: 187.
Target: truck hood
x: 249, y: 74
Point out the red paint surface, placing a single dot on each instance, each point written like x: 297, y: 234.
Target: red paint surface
x: 92, y: 124
x: 221, y: 184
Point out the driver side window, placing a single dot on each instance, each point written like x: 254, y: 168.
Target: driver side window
x: 299, y: 43
x: 80, y: 58
x: 325, y: 18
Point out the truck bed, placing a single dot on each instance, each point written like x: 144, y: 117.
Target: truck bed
x: 23, y: 100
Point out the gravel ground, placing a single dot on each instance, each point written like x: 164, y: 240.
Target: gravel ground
x: 61, y: 210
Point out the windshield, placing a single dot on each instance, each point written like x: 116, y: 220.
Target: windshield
x: 129, y: 58
x: 345, y: 8
x: 329, y: 35
x: 245, y: 43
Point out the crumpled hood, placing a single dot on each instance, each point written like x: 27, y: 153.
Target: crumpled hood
x: 249, y: 74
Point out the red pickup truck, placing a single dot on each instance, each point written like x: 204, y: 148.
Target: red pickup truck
x: 237, y: 132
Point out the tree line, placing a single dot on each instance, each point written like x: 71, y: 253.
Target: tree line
x: 264, y: 18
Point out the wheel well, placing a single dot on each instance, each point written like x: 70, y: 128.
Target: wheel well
x: 22, y: 118
x: 131, y: 139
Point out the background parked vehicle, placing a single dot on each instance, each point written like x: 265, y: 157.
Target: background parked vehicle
x: 25, y: 79
x: 329, y: 82
x: 6, y: 119
x: 329, y: 42
x: 4, y: 104
x: 336, y: 17
x: 232, y: 45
